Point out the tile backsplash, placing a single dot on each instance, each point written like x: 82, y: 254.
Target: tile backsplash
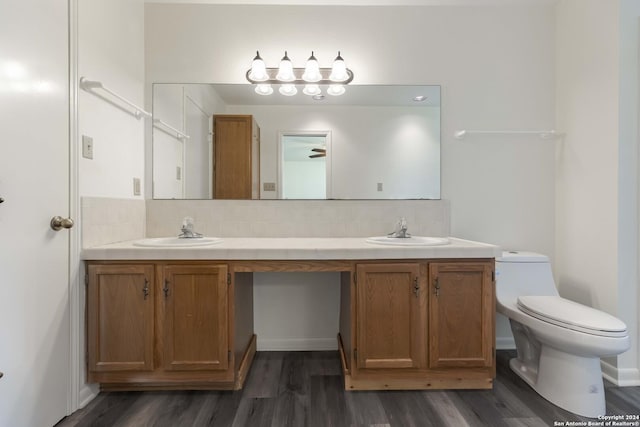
x: 297, y: 218
x: 109, y: 220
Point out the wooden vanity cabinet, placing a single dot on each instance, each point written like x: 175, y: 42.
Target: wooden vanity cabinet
x: 390, y: 314
x: 120, y: 318
x: 166, y: 325
x: 236, y: 157
x: 461, y: 315
x: 420, y: 325
x: 194, y: 318
x: 404, y: 324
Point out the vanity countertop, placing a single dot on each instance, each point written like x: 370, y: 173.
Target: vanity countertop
x: 292, y: 248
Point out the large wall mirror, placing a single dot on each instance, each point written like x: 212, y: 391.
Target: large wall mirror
x: 226, y: 141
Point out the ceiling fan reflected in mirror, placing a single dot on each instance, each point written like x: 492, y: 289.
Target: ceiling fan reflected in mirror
x: 322, y: 152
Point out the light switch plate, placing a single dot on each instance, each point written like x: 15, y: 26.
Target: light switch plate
x: 87, y: 147
x: 269, y: 186
x: 136, y: 186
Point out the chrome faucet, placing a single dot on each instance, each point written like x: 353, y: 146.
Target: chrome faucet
x: 401, y: 230
x: 187, y: 229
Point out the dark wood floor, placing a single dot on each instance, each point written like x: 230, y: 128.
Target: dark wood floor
x: 306, y: 389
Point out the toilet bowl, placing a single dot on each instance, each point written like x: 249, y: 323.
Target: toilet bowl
x: 559, y: 342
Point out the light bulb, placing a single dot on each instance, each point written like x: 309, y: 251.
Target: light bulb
x: 258, y: 70
x: 311, y: 89
x: 312, y: 70
x: 264, y: 89
x: 288, y: 90
x: 285, y: 71
x: 336, y: 90
x: 339, y: 70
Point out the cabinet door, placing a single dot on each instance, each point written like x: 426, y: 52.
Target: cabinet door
x: 195, y: 317
x: 389, y: 327
x: 120, y: 317
x: 461, y: 314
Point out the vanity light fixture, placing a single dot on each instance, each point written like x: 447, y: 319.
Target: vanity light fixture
x: 258, y: 70
x: 264, y: 89
x: 285, y: 70
x: 312, y: 70
x: 339, y: 70
x: 312, y: 76
x: 335, y: 90
x: 311, y: 89
x: 288, y: 89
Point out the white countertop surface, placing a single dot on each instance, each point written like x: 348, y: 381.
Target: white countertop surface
x: 292, y: 248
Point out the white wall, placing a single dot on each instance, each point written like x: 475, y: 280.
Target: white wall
x: 168, y: 151
x: 110, y: 39
x: 111, y: 50
x: 495, y: 64
x: 198, y: 155
x: 597, y: 162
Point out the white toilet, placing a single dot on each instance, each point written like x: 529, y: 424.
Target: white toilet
x: 559, y: 342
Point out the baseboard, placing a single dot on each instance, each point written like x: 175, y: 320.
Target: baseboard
x: 505, y: 343
x: 629, y: 377
x: 87, y: 393
x: 297, y: 344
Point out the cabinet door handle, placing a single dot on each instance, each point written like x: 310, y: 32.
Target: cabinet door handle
x: 165, y: 289
x: 145, y: 290
x: 436, y: 287
x: 416, y: 286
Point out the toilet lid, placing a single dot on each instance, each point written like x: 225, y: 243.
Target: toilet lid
x: 572, y: 315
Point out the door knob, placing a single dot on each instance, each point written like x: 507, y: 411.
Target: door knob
x: 58, y: 223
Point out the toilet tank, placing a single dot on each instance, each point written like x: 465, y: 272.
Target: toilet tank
x: 523, y: 273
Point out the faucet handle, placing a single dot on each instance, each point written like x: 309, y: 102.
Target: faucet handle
x: 187, y: 223
x: 402, y: 223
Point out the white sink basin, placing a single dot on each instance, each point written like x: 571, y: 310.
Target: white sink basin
x: 176, y: 242
x: 408, y: 241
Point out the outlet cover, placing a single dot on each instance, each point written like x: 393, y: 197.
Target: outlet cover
x: 136, y: 186
x: 87, y: 147
x: 269, y: 186
x: 379, y: 186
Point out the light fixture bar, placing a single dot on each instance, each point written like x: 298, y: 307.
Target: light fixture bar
x: 324, y: 72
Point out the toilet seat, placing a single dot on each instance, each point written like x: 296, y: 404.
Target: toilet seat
x: 572, y: 315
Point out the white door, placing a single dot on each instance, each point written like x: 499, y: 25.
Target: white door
x: 304, y: 166
x: 34, y: 186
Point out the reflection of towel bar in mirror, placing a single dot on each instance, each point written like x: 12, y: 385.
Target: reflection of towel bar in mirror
x: 90, y: 85
x: 543, y: 134
x: 159, y: 124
